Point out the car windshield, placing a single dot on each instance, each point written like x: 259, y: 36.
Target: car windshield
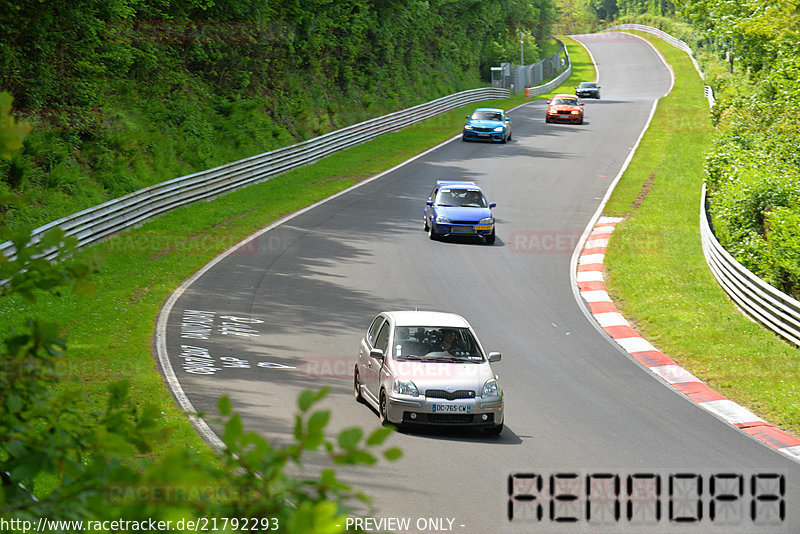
x: 463, y: 198
x: 487, y: 116
x: 565, y: 102
x: 434, y: 343
x: 588, y: 85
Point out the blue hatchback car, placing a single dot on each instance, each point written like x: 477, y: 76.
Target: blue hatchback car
x: 459, y: 208
x: 487, y: 124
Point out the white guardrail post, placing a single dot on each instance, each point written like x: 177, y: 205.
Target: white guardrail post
x: 96, y: 223
x: 766, y: 304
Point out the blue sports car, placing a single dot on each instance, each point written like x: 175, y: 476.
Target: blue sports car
x: 459, y: 208
x: 487, y: 124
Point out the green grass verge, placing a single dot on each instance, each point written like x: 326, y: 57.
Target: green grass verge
x: 110, y: 337
x: 657, y: 273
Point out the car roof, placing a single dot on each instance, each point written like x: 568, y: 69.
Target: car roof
x: 426, y: 318
x: 496, y: 110
x: 457, y: 183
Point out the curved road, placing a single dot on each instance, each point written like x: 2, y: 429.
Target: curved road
x: 286, y: 312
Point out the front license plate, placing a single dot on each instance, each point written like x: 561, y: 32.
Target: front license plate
x: 462, y: 230
x: 452, y: 408
x: 483, y: 227
x: 483, y: 134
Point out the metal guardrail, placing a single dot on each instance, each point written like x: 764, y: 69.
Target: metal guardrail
x: 96, y: 223
x: 774, y: 309
x: 549, y: 86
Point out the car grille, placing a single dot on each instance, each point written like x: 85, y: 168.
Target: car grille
x: 448, y: 419
x: 463, y: 222
x: 477, y: 129
x: 450, y: 395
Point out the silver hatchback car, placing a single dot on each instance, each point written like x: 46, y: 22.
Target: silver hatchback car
x: 428, y: 368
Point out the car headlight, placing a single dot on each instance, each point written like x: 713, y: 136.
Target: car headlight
x: 491, y: 388
x: 499, y: 128
x: 405, y: 387
x: 576, y: 112
x: 467, y: 126
x: 442, y: 219
x: 487, y: 220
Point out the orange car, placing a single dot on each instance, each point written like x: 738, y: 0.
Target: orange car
x: 564, y: 108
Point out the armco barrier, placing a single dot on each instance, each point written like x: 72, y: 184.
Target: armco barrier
x: 774, y: 309
x: 93, y: 224
x: 549, y: 86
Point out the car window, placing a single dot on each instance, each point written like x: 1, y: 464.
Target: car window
x: 565, y: 102
x: 487, y: 116
x: 466, y: 198
x: 382, y: 340
x: 436, y: 343
x: 373, y: 329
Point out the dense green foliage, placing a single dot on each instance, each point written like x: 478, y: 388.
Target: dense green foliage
x: 127, y: 93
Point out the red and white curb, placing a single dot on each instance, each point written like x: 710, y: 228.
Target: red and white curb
x: 592, y: 288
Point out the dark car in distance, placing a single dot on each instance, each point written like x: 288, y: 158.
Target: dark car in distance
x: 588, y: 90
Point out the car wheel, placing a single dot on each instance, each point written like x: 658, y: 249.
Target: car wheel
x: 580, y: 121
x: 357, y: 387
x: 431, y: 233
x: 425, y: 222
x: 490, y: 238
x: 495, y: 430
x: 382, y: 409
x: 463, y: 138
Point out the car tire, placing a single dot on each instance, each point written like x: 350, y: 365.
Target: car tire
x: 495, y: 430
x: 357, y: 387
x: 382, y: 409
x: 489, y: 239
x: 580, y: 121
x: 431, y: 234
x: 463, y: 138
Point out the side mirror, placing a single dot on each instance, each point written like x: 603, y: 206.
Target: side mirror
x: 547, y: 102
x: 494, y: 356
x: 429, y: 202
x: 467, y: 116
x: 581, y: 103
x: 492, y: 205
x: 376, y: 353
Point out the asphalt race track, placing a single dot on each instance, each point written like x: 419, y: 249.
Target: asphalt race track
x: 287, y: 310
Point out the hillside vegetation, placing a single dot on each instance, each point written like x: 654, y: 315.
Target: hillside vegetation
x: 128, y: 93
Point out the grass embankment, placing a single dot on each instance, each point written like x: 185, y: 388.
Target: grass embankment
x: 657, y: 273
x: 110, y: 336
